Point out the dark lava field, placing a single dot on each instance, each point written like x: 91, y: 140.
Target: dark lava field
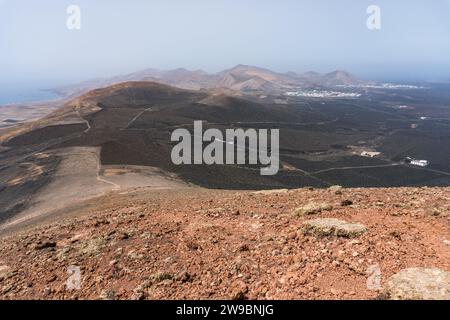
x: 320, y: 140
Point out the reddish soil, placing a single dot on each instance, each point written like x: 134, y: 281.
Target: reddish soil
x: 203, y: 244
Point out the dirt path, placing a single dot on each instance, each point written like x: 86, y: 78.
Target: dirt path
x: 99, y: 177
x: 88, y: 125
x: 357, y: 167
x: 79, y: 177
x: 430, y: 170
x: 136, y: 117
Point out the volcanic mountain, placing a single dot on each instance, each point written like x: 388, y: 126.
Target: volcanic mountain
x: 119, y: 137
x: 93, y: 185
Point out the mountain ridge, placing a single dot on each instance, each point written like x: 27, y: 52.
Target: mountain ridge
x: 241, y: 78
x: 203, y: 244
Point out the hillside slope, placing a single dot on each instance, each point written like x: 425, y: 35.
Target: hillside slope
x: 118, y: 137
x: 203, y: 244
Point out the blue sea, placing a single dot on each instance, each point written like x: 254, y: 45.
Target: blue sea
x: 18, y: 94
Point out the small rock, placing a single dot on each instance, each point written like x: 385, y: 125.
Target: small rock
x: 184, y: 277
x: 6, y: 289
x: 113, y: 262
x: 332, y: 227
x: 134, y: 255
x: 108, y: 295
x: 47, y: 291
x: 353, y: 242
x: 244, y: 248
x: 3, y: 270
x: 418, y: 284
x: 269, y: 192
x: 44, y: 245
x: 123, y: 236
x: 346, y: 203
x: 161, y: 276
x: 138, y: 295
x: 93, y: 245
x: 435, y: 212
x: 335, y: 292
x: 193, y: 245
x: 336, y: 189
x: 140, y: 291
x: 239, y: 293
x: 396, y: 235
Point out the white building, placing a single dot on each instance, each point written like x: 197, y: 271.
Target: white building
x: 420, y: 163
x: 370, y: 154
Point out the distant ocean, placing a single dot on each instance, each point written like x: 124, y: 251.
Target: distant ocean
x: 10, y: 94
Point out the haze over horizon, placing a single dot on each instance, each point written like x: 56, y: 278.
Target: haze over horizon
x: 118, y: 38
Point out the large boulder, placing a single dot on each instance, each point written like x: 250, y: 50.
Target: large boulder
x: 332, y: 227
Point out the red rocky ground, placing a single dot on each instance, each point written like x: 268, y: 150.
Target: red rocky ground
x: 202, y: 244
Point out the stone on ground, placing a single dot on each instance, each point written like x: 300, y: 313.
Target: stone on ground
x: 270, y: 192
x: 336, y: 189
x: 418, y: 284
x: 312, y: 208
x: 3, y: 271
x: 332, y: 227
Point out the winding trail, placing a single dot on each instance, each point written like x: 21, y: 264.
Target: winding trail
x: 358, y: 167
x: 99, y: 177
x: 430, y: 170
x: 319, y: 123
x: 136, y: 117
x: 88, y: 125
x: 99, y: 166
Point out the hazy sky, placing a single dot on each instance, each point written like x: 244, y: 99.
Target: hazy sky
x: 119, y: 36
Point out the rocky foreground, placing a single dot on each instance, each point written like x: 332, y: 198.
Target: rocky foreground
x: 200, y: 244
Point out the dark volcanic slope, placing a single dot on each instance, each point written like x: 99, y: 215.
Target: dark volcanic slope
x: 132, y: 123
